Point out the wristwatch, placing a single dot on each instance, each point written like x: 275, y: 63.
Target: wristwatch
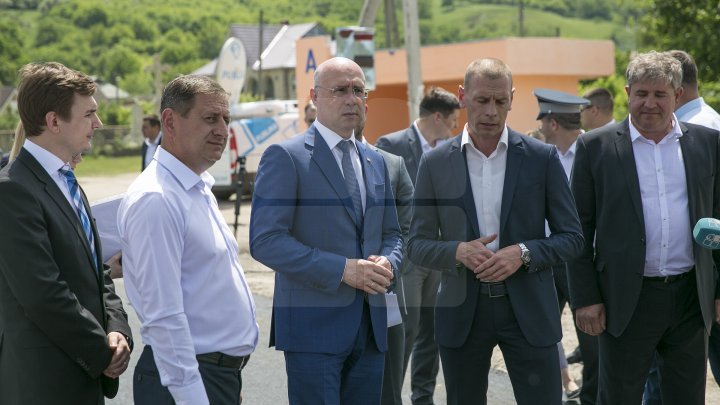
x: 524, y: 254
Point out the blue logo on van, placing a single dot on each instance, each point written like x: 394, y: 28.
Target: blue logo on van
x: 261, y: 128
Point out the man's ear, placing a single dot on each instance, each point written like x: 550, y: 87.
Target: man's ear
x: 51, y: 122
x: 168, y: 120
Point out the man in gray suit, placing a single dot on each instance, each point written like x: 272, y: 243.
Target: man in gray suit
x: 480, y: 205
x: 439, y: 111
x: 402, y: 188
x: 641, y: 283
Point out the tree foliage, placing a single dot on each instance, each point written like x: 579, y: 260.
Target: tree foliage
x: 690, y: 25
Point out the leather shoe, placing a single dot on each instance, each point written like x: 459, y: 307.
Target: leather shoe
x: 575, y: 356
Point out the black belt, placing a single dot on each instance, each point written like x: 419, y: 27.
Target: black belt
x: 224, y: 360
x: 669, y: 279
x: 493, y: 290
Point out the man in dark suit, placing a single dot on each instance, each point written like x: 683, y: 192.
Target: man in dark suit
x: 64, y: 336
x: 439, y: 110
x: 152, y: 132
x: 480, y: 205
x: 641, y: 283
x: 323, y: 217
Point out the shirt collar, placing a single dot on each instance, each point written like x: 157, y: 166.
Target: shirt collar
x: 424, y: 144
x: 156, y: 142
x: 186, y: 177
x: 48, y: 160
x: 502, y: 143
x: 689, y: 106
x: 675, y: 131
x: 330, y: 137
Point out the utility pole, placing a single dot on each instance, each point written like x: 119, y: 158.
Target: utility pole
x: 521, y: 18
x: 391, y: 25
x: 412, y: 49
x: 369, y: 13
x: 261, y: 48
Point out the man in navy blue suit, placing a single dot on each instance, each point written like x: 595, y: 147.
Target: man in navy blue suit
x: 480, y: 205
x: 323, y: 217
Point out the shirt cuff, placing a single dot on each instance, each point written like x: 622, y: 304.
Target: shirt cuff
x: 192, y: 394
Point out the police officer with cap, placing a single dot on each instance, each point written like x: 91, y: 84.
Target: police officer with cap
x: 560, y: 118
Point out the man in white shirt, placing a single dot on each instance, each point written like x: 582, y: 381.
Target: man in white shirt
x: 600, y: 111
x: 479, y: 210
x: 180, y: 259
x: 641, y: 284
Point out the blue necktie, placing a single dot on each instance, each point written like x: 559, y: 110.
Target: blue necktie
x: 351, y: 179
x: 74, y: 188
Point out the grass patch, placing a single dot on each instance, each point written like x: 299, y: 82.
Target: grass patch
x: 107, y: 166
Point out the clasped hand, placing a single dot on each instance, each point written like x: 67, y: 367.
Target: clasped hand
x: 373, y: 275
x: 487, y: 265
x: 121, y: 355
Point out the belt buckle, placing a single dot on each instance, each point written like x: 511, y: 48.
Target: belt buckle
x: 490, y: 291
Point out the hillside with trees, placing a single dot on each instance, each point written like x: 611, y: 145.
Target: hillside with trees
x: 118, y: 40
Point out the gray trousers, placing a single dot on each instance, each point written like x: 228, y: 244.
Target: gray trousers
x: 421, y: 286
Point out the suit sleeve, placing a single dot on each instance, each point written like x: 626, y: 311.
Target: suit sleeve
x: 584, y: 289
x: 565, y: 240
x: 425, y: 246
x: 392, y: 239
x: 34, y: 278
x: 403, y: 199
x: 271, y: 222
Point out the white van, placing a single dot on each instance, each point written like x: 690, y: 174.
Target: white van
x: 253, y: 127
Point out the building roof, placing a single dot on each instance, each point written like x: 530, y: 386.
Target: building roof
x: 278, y: 45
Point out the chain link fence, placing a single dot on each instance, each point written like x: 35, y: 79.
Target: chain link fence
x: 111, y: 140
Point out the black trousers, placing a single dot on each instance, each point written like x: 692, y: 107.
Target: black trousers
x: 588, y: 344
x: 668, y: 320
x: 222, y: 384
x: 534, y: 371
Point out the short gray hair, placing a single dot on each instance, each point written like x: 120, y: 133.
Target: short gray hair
x: 180, y: 93
x: 654, y: 66
x: 490, y: 68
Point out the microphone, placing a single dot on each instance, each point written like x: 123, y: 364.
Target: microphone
x: 707, y: 233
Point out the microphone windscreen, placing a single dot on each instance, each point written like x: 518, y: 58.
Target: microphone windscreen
x: 707, y: 233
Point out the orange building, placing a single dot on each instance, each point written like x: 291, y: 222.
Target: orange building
x: 555, y: 63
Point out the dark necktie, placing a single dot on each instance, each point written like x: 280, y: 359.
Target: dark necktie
x: 74, y: 188
x: 351, y: 179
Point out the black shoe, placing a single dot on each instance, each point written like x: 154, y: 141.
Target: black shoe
x: 575, y: 356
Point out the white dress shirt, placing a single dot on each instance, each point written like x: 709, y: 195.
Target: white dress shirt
x: 424, y: 144
x: 332, y: 139
x: 663, y: 191
x: 151, y: 148
x: 697, y: 112
x: 52, y: 165
x: 567, y: 159
x: 182, y: 274
x: 487, y: 178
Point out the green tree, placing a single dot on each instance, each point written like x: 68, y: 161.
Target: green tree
x: 690, y: 25
x: 11, y: 51
x: 119, y: 61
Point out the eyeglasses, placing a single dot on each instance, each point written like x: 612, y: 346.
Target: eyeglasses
x: 586, y: 107
x: 342, y: 91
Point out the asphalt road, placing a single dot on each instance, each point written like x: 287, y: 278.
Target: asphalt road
x: 264, y: 380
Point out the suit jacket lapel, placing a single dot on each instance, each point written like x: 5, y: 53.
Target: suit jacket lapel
x: 459, y: 174
x: 515, y: 156
x: 322, y: 155
x: 688, y: 145
x: 57, y: 197
x: 624, y: 149
x: 415, y: 150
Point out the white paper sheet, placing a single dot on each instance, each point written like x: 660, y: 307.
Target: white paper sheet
x: 105, y: 213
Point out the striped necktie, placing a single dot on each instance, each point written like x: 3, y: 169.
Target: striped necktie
x: 74, y: 188
x: 351, y: 178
